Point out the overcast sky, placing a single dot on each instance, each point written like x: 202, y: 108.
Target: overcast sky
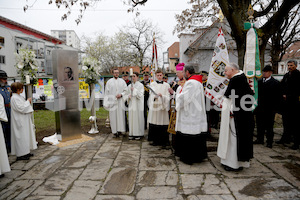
x: 106, y: 16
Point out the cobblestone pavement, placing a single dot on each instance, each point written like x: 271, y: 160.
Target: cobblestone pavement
x: 117, y: 168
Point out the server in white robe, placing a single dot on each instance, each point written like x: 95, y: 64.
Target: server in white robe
x: 235, y: 146
x: 22, y: 132
x: 191, y: 121
x: 135, y: 95
x: 115, y: 91
x: 4, y: 163
x: 158, y: 116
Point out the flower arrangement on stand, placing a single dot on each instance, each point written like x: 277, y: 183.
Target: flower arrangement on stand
x: 91, y: 74
x: 27, y: 65
x: 90, y: 70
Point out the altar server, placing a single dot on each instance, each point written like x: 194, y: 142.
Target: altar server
x: 115, y: 91
x: 22, y: 132
x: 158, y: 116
x: 136, y: 108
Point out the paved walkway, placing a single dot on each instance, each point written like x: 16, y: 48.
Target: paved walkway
x: 109, y: 168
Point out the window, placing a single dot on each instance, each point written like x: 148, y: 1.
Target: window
x: 1, y: 41
x: 2, y: 59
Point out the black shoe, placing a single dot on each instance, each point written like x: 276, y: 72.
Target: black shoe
x: 269, y: 146
x: 283, y: 141
x: 228, y: 168
x: 232, y: 169
x: 295, y: 147
x: 186, y: 161
x: 29, y: 155
x: 279, y: 142
x: 258, y: 142
x: 2, y: 175
x: 153, y: 144
x: 23, y: 158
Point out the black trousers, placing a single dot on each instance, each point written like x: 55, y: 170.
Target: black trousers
x: 265, y: 123
x: 7, y: 135
x: 158, y: 134
x: 145, y: 113
x: 191, y: 148
x: 291, y: 119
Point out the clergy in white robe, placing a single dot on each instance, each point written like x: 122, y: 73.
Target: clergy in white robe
x: 4, y: 163
x: 235, y: 147
x: 191, y: 121
x: 135, y: 95
x: 22, y: 132
x: 158, y: 116
x: 115, y: 91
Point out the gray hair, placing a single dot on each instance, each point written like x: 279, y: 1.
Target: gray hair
x: 293, y: 61
x: 234, y: 66
x: 190, y: 69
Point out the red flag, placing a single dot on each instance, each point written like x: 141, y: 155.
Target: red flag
x: 154, y: 58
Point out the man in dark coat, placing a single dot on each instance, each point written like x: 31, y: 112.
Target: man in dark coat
x: 269, y: 99
x: 238, y: 151
x: 5, y: 92
x: 146, y: 83
x: 291, y: 112
x: 128, y: 82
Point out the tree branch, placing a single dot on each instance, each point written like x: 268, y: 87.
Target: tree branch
x: 266, y: 10
x: 278, y: 18
x: 137, y: 2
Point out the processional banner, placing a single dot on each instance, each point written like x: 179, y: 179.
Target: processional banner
x: 216, y: 81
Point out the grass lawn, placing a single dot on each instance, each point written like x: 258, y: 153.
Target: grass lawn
x: 45, y: 119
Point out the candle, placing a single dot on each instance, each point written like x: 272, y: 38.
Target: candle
x: 27, y: 79
x: 131, y: 71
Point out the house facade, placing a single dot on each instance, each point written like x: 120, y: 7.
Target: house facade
x: 197, y: 48
x: 69, y: 36
x: 173, y: 56
x: 14, y: 36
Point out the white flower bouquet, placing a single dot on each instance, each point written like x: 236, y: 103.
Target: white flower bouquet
x: 90, y: 70
x: 26, y: 64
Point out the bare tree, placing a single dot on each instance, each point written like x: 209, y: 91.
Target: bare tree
x: 286, y: 35
x: 139, y: 37
x: 111, y: 52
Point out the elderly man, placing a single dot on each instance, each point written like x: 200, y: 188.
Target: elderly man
x: 291, y: 94
x: 235, y: 147
x: 115, y: 90
x: 269, y: 99
x: 191, y: 123
x: 5, y: 92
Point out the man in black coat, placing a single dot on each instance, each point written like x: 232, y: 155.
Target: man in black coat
x: 241, y: 94
x: 146, y: 82
x: 291, y: 113
x: 269, y: 99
